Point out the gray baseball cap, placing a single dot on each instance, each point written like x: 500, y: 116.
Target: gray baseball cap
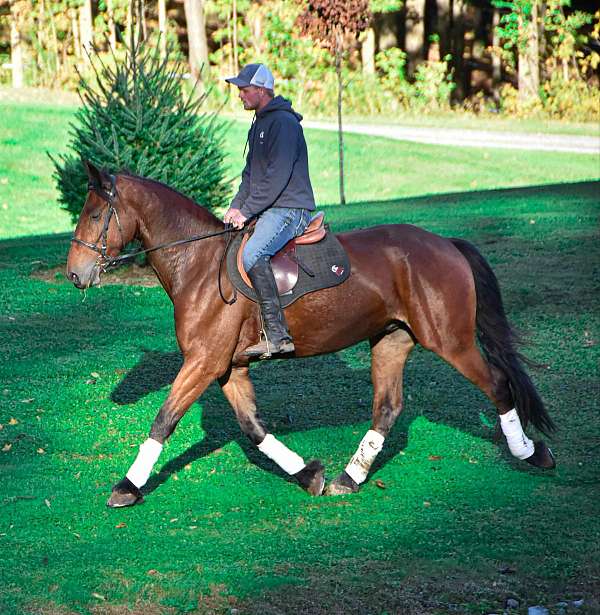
x: 253, y: 74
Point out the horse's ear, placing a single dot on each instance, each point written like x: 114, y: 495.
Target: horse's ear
x: 94, y: 174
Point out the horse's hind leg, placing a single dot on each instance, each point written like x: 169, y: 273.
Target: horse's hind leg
x: 238, y: 389
x: 494, y: 383
x: 388, y: 356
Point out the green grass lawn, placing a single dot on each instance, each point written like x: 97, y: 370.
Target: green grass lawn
x: 455, y: 524
x: 392, y: 170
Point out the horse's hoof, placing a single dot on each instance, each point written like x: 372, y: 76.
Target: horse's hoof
x: 312, y: 477
x: 342, y: 485
x: 124, y: 493
x: 542, y: 457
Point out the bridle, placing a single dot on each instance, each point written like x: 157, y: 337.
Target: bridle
x: 104, y: 262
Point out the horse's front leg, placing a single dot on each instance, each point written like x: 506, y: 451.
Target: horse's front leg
x: 238, y: 389
x: 191, y: 381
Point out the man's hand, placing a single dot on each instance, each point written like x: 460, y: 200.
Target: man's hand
x: 235, y: 217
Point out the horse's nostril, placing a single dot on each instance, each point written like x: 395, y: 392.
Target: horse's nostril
x: 73, y: 277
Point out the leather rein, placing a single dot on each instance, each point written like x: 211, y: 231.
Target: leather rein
x: 104, y: 262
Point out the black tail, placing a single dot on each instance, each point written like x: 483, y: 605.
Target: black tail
x: 498, y: 341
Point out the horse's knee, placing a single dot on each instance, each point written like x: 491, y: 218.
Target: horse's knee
x: 385, y: 416
x: 164, y: 424
x: 252, y: 427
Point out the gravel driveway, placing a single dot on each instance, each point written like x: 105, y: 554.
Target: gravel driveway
x: 473, y: 138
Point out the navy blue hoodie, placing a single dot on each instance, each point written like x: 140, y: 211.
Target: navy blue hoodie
x: 276, y: 171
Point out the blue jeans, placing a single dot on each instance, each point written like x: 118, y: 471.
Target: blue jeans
x: 274, y: 228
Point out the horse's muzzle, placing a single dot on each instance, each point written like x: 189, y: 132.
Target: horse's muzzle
x: 84, y: 279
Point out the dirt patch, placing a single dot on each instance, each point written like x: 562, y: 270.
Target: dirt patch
x: 381, y: 587
x: 126, y: 275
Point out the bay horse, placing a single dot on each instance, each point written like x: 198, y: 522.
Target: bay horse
x: 407, y: 286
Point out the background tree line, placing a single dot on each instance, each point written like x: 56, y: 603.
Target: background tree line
x: 520, y: 56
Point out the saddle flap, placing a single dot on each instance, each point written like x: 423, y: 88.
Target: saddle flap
x: 284, y: 263
x: 285, y: 269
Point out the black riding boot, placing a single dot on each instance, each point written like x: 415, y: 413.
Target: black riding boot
x: 278, y: 339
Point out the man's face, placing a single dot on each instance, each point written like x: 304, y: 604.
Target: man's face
x: 251, y: 97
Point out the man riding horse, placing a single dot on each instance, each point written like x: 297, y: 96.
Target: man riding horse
x: 276, y: 191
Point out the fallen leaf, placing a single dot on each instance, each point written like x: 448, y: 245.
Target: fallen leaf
x: 90, y: 381
x: 6, y: 447
x: 427, y: 504
x: 1, y: 426
x: 99, y: 596
x: 380, y: 483
x: 174, y: 519
x: 95, y: 375
x: 13, y: 421
x: 47, y: 503
x: 41, y: 451
x: 120, y: 525
x: 152, y: 572
x: 188, y: 466
x: 175, y: 477
x: 506, y: 570
x: 27, y: 401
x: 435, y: 457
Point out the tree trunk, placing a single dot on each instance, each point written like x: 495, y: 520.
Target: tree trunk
x: 529, y: 72
x: 162, y: 27
x: 129, y: 23
x: 112, y: 30
x: 86, y: 31
x: 16, y: 47
x: 367, y: 51
x: 415, y: 33
x: 42, y: 44
x: 75, y: 28
x: 55, y: 41
x: 496, y: 60
x: 142, y: 27
x: 338, y: 70
x: 256, y: 28
x: 196, y: 31
x: 236, y: 64
x: 444, y: 26
x: 458, y: 47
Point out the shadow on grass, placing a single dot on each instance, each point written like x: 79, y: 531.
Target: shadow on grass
x: 586, y: 189
x: 325, y: 392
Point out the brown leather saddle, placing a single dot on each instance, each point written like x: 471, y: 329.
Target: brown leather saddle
x: 285, y: 263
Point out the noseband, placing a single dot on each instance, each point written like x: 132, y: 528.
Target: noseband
x: 103, y: 261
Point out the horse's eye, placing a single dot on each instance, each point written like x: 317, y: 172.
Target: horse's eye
x: 95, y: 216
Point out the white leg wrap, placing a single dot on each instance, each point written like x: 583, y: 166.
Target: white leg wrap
x: 286, y: 459
x: 149, y: 453
x: 518, y: 443
x: 368, y: 449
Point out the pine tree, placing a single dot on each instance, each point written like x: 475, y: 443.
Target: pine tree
x: 135, y: 118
